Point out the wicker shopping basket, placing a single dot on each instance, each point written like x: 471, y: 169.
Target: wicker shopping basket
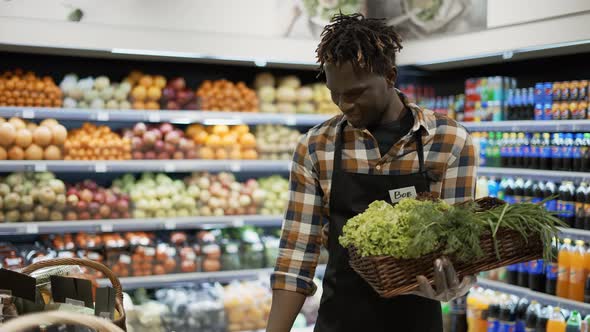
x: 120, y: 314
x: 27, y: 322
x: 389, y: 276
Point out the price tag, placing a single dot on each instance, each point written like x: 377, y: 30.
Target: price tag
x: 102, y: 116
x: 106, y: 228
x: 169, y: 167
x: 150, y: 251
x: 290, y: 120
x: 100, y: 168
x: 125, y: 259
x: 238, y: 222
x: 94, y: 256
x: 169, y: 224
x: 154, y: 117
x: 235, y: 167
x: 32, y: 229
x: 40, y: 167
x: 28, y: 114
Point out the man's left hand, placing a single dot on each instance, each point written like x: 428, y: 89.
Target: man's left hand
x: 446, y: 283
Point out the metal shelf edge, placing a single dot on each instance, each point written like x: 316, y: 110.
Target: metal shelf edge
x: 533, y: 295
x: 533, y: 173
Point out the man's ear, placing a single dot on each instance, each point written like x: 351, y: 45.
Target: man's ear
x: 391, y: 77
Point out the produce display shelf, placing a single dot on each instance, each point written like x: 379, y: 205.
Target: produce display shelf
x: 534, y: 174
x: 543, y: 298
x: 121, y: 225
x: 530, y: 126
x: 159, y: 281
x: 177, y: 117
x: 136, y: 166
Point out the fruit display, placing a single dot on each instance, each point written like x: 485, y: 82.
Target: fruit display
x: 276, y: 142
x: 161, y: 141
x: 20, y: 140
x: 18, y: 88
x: 157, y: 196
x: 176, y: 96
x: 92, y: 142
x: 223, y: 142
x: 276, y: 195
x: 146, y: 90
x: 247, y: 306
x: 322, y: 100
x: 32, y: 197
x: 223, y: 95
x: 221, y: 194
x: 87, y: 200
x: 95, y: 93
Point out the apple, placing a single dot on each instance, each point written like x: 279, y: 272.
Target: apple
x: 72, y: 200
x: 86, y: 195
x: 172, y: 105
x: 178, y: 83
x: 149, y: 138
x: 81, y: 206
x: 178, y: 155
x: 84, y: 215
x: 126, y: 215
x: 105, y: 211
x: 150, y: 155
x: 191, y: 154
x: 71, y: 215
x: 168, y: 93
x: 123, y: 205
x: 72, y: 191
x: 163, y: 155
x: 93, y: 207
x: 169, y: 148
x: 137, y: 155
x: 139, y: 129
x: 111, y: 199
x: 89, y: 184
x: 172, y: 137
x: 100, y: 197
x: 96, y: 216
x: 157, y: 132
x: 136, y: 143
x: 166, y: 127
x: 159, y: 146
x: 115, y: 215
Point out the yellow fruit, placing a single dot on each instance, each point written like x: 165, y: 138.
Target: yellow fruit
x: 139, y: 93
x: 146, y: 81
x: 220, y: 130
x: 160, y: 81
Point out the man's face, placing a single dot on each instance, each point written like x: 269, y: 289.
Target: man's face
x: 362, y: 96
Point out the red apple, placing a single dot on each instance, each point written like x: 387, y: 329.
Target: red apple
x: 172, y: 137
x: 251, y: 210
x: 115, y: 215
x: 165, y: 128
x: 168, y: 93
x: 186, y: 144
x: 139, y: 129
x: 149, y: 138
x: 72, y: 200
x: 72, y: 191
x: 84, y: 215
x: 86, y: 195
x: 137, y: 155
x: 89, y: 184
x: 159, y: 146
x: 178, y: 155
x: 105, y: 211
x: 191, y: 154
x: 170, y: 148
x: 150, y: 155
x: 93, y: 207
x: 184, y: 97
x: 111, y: 199
x: 136, y: 143
x: 177, y: 83
x: 163, y: 155
x: 71, y: 215
x: 126, y: 215
x: 96, y: 216
x: 191, y: 106
x: 172, y: 105
x: 100, y: 197
x: 157, y: 132
x: 81, y: 206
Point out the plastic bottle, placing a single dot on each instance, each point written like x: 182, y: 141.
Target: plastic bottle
x: 556, y: 322
x: 512, y: 150
x: 532, y: 316
x: 577, y: 272
x: 520, y: 314
x: 567, y: 152
x: 446, y: 314
x: 566, y: 203
x: 556, y: 152
x: 543, y: 318
x: 587, y: 210
x: 526, y: 151
x: 545, y: 156
x: 581, y: 192
x: 528, y: 190
x: 493, y: 317
x: 587, y: 290
x: 519, y: 143
x: 458, y: 315
x: 586, y: 153
x: 509, y: 192
x: 550, y: 191
x: 530, y: 111
x: 574, y: 322
x: 577, y: 152
x: 481, y: 188
x: 493, y: 187
x: 523, y: 274
x: 537, y: 275
x: 539, y: 111
x: 504, y: 149
x: 489, y: 150
x: 507, y: 317
x: 563, y: 269
x: 535, y: 151
x: 551, y: 270
x: 496, y: 150
x: 538, y: 189
x: 519, y: 190
x: 477, y: 310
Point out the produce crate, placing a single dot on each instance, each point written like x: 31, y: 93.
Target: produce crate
x: 390, y: 277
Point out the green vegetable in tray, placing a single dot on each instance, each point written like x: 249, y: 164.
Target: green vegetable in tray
x: 414, y: 228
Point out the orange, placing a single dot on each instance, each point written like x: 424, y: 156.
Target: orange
x: 248, y: 140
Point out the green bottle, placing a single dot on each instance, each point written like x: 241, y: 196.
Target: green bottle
x: 585, y: 324
x: 574, y: 322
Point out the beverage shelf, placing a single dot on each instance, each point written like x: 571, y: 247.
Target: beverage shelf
x: 158, y: 281
x: 575, y: 234
x: 121, y: 225
x: 535, y: 174
x: 530, y: 126
x: 177, y: 117
x: 543, y: 298
x: 136, y: 166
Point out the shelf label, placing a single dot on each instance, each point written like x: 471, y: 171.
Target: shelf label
x: 32, y: 229
x: 106, y: 228
x: 169, y: 167
x: 28, y: 114
x: 154, y: 117
x: 100, y: 168
x: 235, y: 167
x: 102, y: 116
x: 169, y: 224
x: 238, y: 222
x: 290, y: 120
x: 125, y: 259
x: 41, y: 167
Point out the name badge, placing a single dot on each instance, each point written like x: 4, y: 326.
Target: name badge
x: 397, y: 195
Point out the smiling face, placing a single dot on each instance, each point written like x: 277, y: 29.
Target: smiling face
x: 362, y: 96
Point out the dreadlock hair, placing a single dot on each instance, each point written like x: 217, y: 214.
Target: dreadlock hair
x: 368, y: 43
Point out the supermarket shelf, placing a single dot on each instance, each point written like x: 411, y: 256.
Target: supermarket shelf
x: 530, y: 126
x: 120, y: 225
x: 136, y: 166
x: 177, y: 117
x: 575, y: 234
x: 534, y: 174
x: 157, y: 281
x: 532, y: 295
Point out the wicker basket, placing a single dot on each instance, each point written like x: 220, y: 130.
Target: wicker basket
x: 390, y: 276
x: 27, y: 322
x: 120, y: 315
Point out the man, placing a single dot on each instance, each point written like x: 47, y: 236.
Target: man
x: 379, y: 145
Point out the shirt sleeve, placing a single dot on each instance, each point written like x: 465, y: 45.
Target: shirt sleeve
x: 459, y: 180
x: 301, y: 233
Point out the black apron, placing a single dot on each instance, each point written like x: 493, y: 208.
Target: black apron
x: 348, y: 302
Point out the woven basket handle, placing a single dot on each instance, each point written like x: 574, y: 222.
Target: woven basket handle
x: 29, y: 321
x: 79, y: 261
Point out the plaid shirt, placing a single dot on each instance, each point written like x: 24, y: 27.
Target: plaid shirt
x: 450, y: 160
